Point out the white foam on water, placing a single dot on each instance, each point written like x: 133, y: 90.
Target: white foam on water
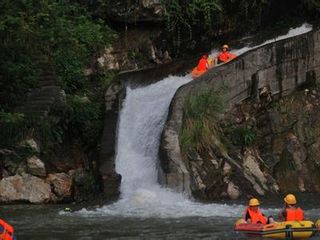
x: 142, y: 119
x: 162, y: 203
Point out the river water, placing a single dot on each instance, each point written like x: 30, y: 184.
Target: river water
x: 146, y: 210
x: 50, y: 223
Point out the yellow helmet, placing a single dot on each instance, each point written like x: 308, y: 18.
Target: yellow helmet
x: 254, y: 202
x: 290, y: 199
x: 225, y: 46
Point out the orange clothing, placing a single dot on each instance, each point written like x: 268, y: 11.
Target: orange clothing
x: 203, y: 64
x: 225, y: 57
x: 195, y: 73
x: 256, y: 217
x: 7, y: 233
x: 294, y: 214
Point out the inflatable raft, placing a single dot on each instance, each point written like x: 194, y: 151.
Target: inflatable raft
x: 279, y: 230
x: 196, y: 73
x: 212, y: 63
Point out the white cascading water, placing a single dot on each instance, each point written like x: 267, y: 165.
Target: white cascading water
x: 142, y: 118
x: 141, y: 122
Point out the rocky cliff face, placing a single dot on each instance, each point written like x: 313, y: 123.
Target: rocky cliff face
x: 135, y: 48
x: 276, y: 150
x: 35, y: 174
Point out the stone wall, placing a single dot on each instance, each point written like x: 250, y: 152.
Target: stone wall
x: 282, y: 67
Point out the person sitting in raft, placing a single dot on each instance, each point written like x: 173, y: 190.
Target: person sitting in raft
x: 290, y: 211
x: 224, y: 56
x: 253, y: 214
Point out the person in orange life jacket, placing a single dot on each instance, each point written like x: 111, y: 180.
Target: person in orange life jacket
x: 224, y: 56
x: 6, y: 231
x: 290, y: 211
x: 203, y: 64
x: 253, y: 214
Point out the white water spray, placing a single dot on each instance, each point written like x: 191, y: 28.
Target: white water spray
x: 141, y: 122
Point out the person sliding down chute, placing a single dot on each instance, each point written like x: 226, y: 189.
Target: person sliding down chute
x: 225, y: 56
x: 202, y: 67
x: 203, y: 64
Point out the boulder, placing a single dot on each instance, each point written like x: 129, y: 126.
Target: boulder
x: 233, y: 191
x: 24, y: 188
x: 36, y: 167
x: 33, y: 145
x: 61, y: 184
x: 109, y: 59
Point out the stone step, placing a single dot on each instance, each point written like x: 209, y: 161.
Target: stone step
x: 45, y: 94
x: 27, y: 108
x: 41, y: 98
x: 44, y: 101
x: 47, y: 88
x: 47, y: 72
x: 35, y: 114
x: 47, y: 77
x: 46, y: 83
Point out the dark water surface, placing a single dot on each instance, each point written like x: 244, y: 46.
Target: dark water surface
x: 40, y: 222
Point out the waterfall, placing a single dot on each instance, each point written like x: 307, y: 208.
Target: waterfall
x: 142, y: 118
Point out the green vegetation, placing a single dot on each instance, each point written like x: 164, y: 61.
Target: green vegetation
x: 189, y: 19
x: 202, y: 129
x: 200, y: 115
x: 58, y: 36
x: 81, y: 120
x: 243, y: 136
x: 202, y: 21
x: 64, y: 36
x: 13, y: 128
x: 37, y: 35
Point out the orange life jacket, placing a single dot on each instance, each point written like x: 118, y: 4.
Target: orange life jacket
x: 294, y: 214
x: 7, y: 233
x: 202, y: 65
x: 256, y: 217
x: 225, y: 56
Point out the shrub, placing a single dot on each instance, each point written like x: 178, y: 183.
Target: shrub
x: 81, y: 120
x: 35, y: 35
x: 243, y: 136
x: 200, y: 113
x: 13, y: 127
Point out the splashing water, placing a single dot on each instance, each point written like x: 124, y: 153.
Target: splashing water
x: 141, y: 122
